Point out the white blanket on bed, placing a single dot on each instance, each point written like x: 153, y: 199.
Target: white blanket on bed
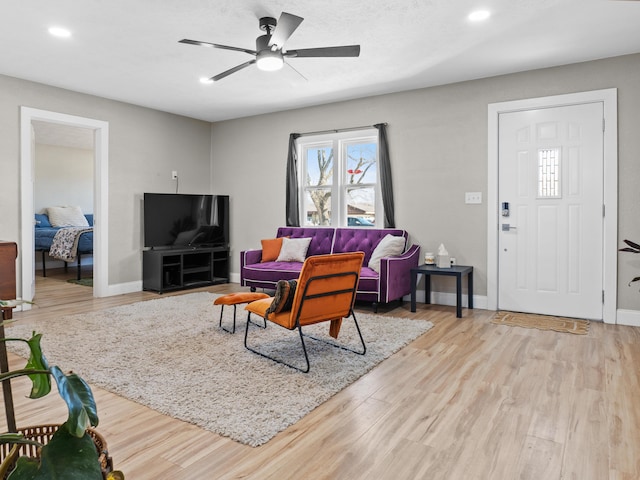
x: 65, y: 243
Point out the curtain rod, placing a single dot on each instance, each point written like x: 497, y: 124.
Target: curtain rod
x: 337, y: 130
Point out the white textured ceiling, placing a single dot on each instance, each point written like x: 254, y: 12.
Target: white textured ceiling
x: 128, y: 50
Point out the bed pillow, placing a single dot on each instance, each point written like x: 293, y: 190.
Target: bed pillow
x: 294, y: 249
x: 42, y: 221
x: 67, y: 217
x: 389, y: 246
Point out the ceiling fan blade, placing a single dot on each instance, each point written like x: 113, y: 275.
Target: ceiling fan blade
x: 226, y: 73
x: 296, y: 70
x: 215, y: 45
x: 285, y: 27
x: 344, y: 51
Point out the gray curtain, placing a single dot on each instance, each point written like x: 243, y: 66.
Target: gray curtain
x: 293, y: 214
x: 386, y: 185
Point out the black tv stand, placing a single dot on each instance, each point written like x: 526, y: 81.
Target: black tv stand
x: 165, y: 270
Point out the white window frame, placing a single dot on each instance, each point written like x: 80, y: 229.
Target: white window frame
x: 339, y: 141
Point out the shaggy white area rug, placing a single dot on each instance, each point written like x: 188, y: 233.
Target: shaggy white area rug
x: 170, y: 355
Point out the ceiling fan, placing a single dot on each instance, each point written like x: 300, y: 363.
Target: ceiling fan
x: 270, y: 52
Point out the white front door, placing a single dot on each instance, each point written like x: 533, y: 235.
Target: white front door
x: 550, y: 189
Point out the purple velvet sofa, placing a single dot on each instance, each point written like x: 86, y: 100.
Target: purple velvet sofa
x: 392, y: 283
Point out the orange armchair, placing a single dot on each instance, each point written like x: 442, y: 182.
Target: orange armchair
x: 325, y: 292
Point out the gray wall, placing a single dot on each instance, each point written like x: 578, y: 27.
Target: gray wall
x: 63, y: 176
x: 438, y: 141
x: 144, y: 147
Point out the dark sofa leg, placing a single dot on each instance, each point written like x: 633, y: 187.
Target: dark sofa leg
x: 79, y: 266
x: 375, y: 307
x: 253, y: 289
x: 44, y: 265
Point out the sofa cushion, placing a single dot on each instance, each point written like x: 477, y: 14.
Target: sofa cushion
x: 293, y: 249
x: 369, y: 280
x: 362, y: 240
x: 271, y: 272
x: 321, y: 238
x: 271, y: 249
x: 389, y: 246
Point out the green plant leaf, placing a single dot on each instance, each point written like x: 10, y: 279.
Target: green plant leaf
x: 26, y: 469
x: 37, y: 363
x: 64, y: 457
x: 17, y: 438
x: 41, y: 383
x: 79, y: 398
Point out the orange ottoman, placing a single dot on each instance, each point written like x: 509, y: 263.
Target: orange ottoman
x: 236, y: 299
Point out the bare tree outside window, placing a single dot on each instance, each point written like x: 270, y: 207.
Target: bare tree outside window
x: 319, y: 177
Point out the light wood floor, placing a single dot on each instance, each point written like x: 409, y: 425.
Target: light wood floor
x: 468, y: 400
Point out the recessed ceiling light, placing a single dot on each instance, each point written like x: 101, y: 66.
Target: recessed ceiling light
x: 59, y: 32
x: 479, y: 15
x: 206, y: 80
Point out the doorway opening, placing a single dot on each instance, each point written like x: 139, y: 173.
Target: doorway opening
x: 100, y: 131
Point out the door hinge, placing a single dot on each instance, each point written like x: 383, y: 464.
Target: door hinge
x: 603, y: 125
x: 603, y: 296
x: 603, y: 211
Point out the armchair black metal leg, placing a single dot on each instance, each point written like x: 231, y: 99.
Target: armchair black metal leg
x: 364, y: 347
x: 304, y: 348
x: 261, y: 326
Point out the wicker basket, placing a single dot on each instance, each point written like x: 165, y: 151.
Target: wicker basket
x: 42, y: 434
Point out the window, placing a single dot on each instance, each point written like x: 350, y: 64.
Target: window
x: 339, y: 179
x: 549, y: 173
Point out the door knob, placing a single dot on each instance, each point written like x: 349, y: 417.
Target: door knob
x: 506, y: 227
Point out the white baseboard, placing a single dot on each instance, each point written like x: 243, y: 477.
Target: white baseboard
x: 624, y: 317
x: 628, y: 317
x: 440, y: 298
x: 122, y: 288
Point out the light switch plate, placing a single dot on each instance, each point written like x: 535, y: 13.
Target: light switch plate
x: 473, y: 197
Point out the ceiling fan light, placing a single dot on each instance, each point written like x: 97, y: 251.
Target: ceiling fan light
x: 269, y: 61
x: 60, y: 32
x: 479, y: 15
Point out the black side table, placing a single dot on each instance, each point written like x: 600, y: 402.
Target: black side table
x: 455, y: 271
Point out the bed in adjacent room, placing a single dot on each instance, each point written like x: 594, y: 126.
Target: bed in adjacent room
x: 64, y: 233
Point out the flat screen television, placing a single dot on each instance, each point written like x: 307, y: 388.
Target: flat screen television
x: 173, y: 220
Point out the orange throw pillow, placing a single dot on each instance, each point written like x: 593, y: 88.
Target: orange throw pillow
x: 271, y: 249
